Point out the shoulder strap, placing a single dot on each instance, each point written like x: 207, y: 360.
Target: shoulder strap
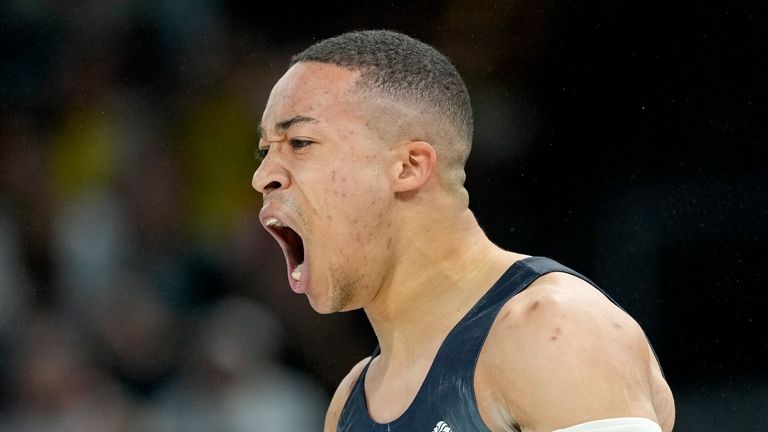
x: 544, y: 265
x: 354, y: 415
x: 462, y: 347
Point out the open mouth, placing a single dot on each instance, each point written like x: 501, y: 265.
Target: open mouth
x: 293, y: 248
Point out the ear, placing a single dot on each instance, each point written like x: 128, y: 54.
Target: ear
x: 416, y: 164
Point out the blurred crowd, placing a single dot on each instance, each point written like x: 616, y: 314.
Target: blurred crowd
x: 134, y: 279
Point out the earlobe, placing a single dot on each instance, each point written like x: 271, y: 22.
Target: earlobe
x: 416, y: 166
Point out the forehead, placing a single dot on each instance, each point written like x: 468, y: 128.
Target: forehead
x: 315, y: 90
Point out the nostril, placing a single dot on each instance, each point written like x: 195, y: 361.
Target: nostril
x: 273, y: 185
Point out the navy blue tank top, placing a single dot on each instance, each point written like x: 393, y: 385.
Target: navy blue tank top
x: 446, y: 400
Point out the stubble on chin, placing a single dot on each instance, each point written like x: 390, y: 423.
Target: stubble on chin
x: 343, y: 287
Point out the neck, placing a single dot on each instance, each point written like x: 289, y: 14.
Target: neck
x: 441, y: 272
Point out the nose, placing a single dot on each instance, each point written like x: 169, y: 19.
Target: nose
x: 270, y: 176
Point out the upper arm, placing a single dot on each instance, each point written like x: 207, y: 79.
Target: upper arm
x: 341, y: 395
x: 564, y: 355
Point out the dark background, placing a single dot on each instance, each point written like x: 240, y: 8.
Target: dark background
x: 624, y: 139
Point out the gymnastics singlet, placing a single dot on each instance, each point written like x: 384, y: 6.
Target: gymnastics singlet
x: 446, y: 400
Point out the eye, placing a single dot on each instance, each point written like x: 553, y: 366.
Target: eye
x: 261, y: 153
x: 298, y: 143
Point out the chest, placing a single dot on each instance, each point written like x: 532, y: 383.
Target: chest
x: 429, y: 397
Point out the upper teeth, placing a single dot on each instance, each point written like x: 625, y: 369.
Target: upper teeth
x: 274, y: 222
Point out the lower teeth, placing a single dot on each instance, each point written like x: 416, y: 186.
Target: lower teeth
x: 296, y: 274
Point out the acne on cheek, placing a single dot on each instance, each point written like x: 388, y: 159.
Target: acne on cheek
x: 344, y: 134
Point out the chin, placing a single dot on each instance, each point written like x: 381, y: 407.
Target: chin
x: 322, y: 309
x: 331, y: 302
x: 321, y: 305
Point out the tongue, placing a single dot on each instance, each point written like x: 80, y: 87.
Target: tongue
x: 296, y: 273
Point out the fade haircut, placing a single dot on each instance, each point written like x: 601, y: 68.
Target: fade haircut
x: 410, y: 73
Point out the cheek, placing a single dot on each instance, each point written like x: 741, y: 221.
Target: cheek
x: 351, y: 203
x: 356, y: 218
x: 336, y: 187
x: 354, y: 188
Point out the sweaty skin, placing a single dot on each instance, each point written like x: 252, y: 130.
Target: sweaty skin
x: 381, y: 232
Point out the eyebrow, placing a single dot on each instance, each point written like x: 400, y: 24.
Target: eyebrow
x: 282, y: 126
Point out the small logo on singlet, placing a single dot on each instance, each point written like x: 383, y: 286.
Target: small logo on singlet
x: 442, y: 427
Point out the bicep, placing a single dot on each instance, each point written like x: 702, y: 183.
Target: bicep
x: 663, y: 400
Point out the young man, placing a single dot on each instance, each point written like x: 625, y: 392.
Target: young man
x: 364, y: 141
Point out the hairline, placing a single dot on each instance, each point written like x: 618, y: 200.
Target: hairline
x: 364, y: 91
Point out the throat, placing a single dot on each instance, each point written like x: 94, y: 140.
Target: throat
x: 417, y: 313
x: 391, y: 388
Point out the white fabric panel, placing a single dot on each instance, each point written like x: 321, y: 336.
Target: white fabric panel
x: 623, y: 424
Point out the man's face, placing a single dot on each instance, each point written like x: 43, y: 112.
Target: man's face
x: 325, y: 180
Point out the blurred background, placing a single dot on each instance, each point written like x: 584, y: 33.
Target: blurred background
x: 138, y: 291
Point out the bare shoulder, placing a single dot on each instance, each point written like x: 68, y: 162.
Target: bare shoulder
x: 341, y: 395
x: 561, y: 353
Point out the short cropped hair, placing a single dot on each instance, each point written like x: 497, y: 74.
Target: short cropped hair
x: 408, y: 71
